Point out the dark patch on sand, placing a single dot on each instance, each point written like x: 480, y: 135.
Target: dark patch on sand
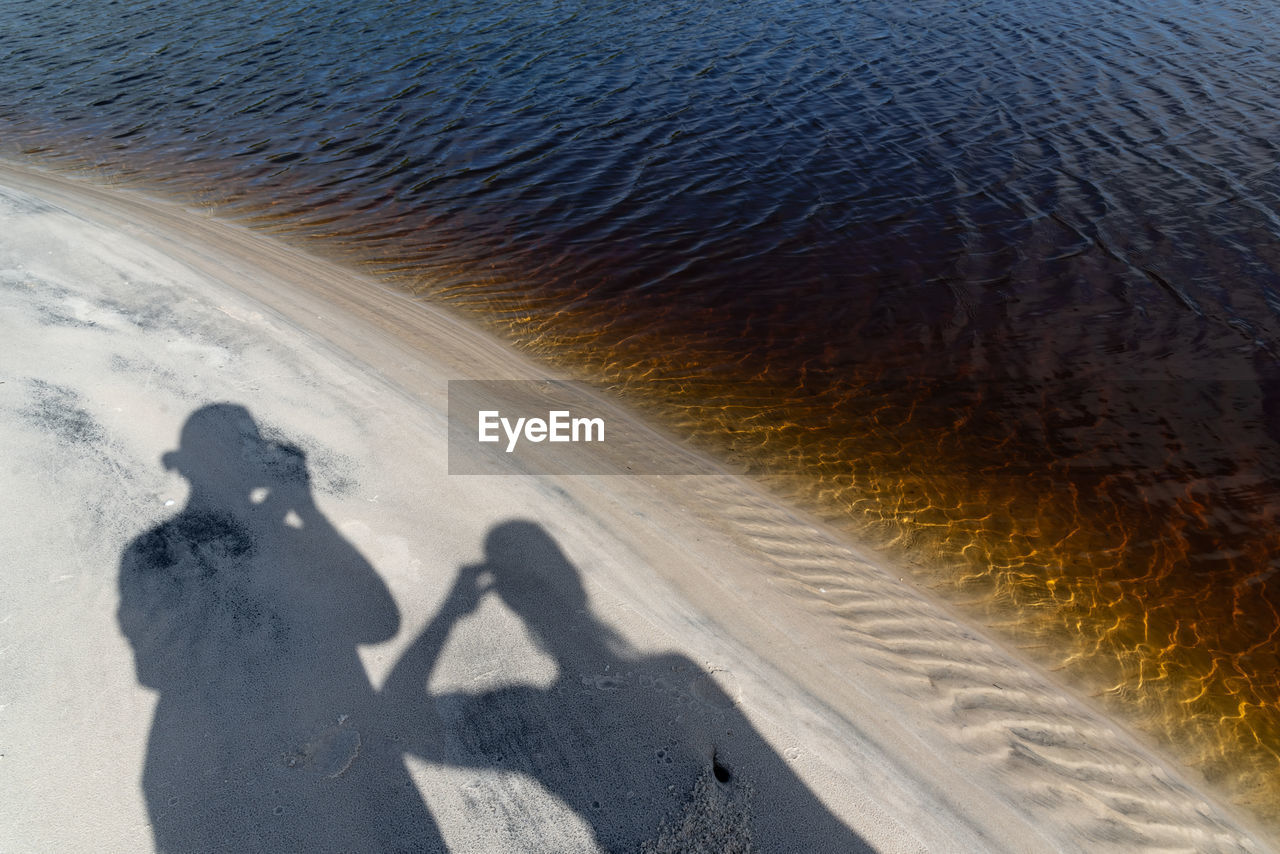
x: 31, y: 285
x: 15, y: 280
x: 50, y: 316
x: 206, y: 539
x: 56, y: 410
x: 150, y: 316
x: 331, y: 472
x: 151, y: 375
x: 335, y: 473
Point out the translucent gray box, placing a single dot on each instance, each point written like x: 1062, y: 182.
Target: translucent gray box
x: 514, y: 427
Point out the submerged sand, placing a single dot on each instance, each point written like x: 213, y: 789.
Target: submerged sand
x: 247, y: 607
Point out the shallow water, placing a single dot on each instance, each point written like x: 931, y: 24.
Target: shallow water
x: 996, y: 283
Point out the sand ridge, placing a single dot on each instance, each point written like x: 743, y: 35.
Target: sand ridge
x: 124, y: 315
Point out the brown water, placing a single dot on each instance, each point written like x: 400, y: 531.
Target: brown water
x: 996, y: 285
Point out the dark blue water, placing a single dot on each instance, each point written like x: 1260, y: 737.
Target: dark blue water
x: 1000, y: 279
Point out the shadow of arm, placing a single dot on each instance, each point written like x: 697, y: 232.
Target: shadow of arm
x: 405, y: 698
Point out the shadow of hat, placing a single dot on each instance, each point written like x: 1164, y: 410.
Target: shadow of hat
x: 217, y: 434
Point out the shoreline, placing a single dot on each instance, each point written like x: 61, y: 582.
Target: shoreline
x: 127, y: 314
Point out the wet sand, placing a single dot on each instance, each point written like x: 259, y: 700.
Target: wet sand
x: 249, y: 608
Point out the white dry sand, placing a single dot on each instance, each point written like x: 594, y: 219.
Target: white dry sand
x: 298, y: 632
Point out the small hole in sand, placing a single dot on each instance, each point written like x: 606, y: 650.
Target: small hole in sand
x: 721, y: 772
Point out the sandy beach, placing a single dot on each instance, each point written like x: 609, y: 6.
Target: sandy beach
x: 248, y: 608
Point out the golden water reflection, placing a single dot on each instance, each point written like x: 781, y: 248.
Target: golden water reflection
x: 1079, y: 519
x: 1152, y: 588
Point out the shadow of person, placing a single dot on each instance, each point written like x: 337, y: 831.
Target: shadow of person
x: 648, y: 750
x: 244, y: 612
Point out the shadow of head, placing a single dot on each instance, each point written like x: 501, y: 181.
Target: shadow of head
x: 222, y: 447
x: 532, y: 576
